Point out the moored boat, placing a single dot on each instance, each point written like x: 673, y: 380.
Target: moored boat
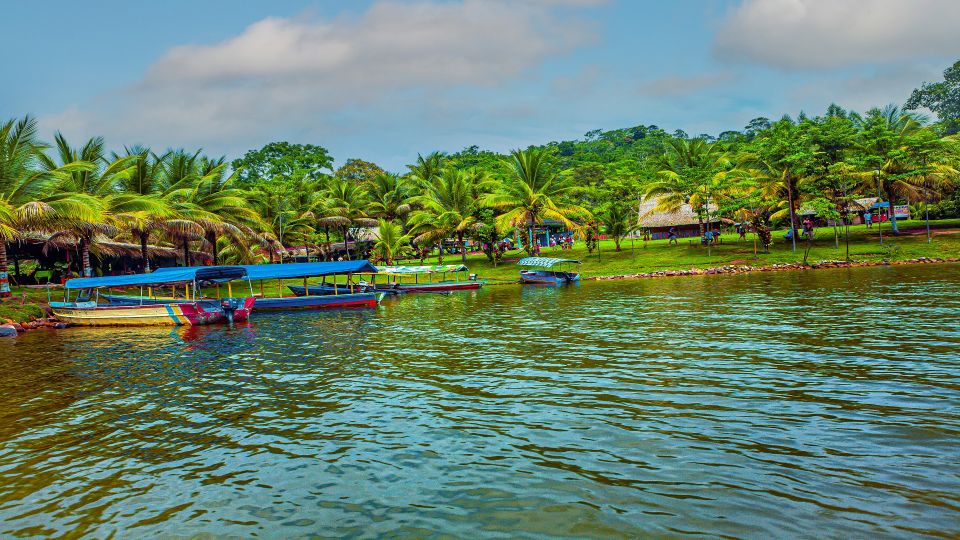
x: 315, y: 296
x: 348, y: 295
x: 414, y: 279
x: 142, y: 311
x: 540, y: 271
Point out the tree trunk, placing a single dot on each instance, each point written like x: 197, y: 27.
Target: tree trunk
x: 793, y: 218
x: 440, y: 256
x: 892, y: 212
x: 463, y: 248
x: 211, y: 238
x: 186, y: 252
x: 85, y: 257
x: 346, y: 247
x: 144, y: 254
x: 271, y: 250
x: 616, y: 242
x: 4, y: 280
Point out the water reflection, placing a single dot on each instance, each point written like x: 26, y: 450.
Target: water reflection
x: 752, y: 405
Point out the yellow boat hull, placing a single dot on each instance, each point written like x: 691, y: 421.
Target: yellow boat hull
x: 158, y: 315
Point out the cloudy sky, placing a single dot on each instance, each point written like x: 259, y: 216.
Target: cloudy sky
x: 386, y: 79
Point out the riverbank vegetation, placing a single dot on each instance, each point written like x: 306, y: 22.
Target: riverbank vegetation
x: 259, y: 207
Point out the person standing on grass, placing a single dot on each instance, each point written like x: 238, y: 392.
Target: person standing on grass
x: 808, y: 228
x: 868, y: 219
x: 672, y: 237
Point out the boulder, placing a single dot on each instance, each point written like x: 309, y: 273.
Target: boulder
x: 7, y: 330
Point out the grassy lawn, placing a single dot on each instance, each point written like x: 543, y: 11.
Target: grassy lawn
x: 657, y: 255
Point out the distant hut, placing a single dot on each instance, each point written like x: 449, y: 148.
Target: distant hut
x: 684, y: 220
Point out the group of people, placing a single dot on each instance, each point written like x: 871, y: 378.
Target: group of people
x: 564, y: 241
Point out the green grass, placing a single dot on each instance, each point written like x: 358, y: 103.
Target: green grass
x: 657, y: 255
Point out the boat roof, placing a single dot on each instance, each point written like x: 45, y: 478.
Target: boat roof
x: 300, y: 270
x: 308, y: 269
x: 546, y: 262
x: 168, y: 276
x: 421, y: 269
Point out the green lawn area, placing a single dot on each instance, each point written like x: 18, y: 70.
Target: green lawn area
x: 657, y: 255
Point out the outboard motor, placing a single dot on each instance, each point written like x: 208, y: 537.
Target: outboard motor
x: 230, y: 305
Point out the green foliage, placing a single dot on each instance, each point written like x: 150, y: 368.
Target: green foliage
x: 943, y: 98
x: 281, y: 160
x: 359, y: 171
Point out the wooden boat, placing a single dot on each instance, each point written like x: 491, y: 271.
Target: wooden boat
x: 348, y: 295
x: 541, y: 271
x: 143, y: 310
x: 415, y: 279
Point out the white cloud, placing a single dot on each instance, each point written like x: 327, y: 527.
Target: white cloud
x: 834, y: 33
x: 283, y: 76
x: 678, y: 85
x: 860, y: 91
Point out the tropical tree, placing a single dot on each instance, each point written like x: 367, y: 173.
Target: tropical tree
x: 891, y: 143
x: 391, y: 242
x: 447, y: 207
x: 150, y: 178
x: 690, y: 171
x: 389, y: 196
x: 101, y: 181
x: 531, y: 193
x: 29, y: 199
x: 219, y: 207
x: 619, y: 219
x: 344, y: 207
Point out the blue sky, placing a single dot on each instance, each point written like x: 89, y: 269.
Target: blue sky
x: 385, y: 80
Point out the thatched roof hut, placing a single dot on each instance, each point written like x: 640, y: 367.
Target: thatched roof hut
x: 682, y: 216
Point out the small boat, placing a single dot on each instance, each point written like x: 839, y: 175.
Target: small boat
x: 310, y: 296
x: 415, y: 279
x: 348, y: 295
x: 146, y: 310
x: 542, y: 271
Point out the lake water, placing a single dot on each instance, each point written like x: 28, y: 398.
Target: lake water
x: 816, y: 404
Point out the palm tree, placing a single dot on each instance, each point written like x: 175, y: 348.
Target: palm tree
x: 618, y: 221
x: 28, y: 198
x: 447, y: 207
x: 426, y: 168
x: 345, y: 208
x: 389, y: 196
x: 533, y: 192
x: 149, y: 179
x: 889, y: 139
x: 391, y: 242
x: 686, y: 175
x: 100, y: 182
x: 219, y: 208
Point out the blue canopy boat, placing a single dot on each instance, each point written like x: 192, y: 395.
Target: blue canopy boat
x: 145, y: 309
x: 542, y: 271
x: 349, y: 295
x: 408, y: 279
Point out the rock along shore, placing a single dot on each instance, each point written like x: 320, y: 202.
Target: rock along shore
x: 779, y: 267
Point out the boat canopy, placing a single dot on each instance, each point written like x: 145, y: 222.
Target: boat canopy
x: 168, y: 276
x: 421, y: 269
x: 308, y: 269
x: 258, y: 272
x: 545, y: 262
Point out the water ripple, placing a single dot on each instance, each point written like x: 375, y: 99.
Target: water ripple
x: 734, y: 406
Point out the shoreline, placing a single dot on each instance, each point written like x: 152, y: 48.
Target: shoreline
x: 776, y: 267
x: 49, y: 322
